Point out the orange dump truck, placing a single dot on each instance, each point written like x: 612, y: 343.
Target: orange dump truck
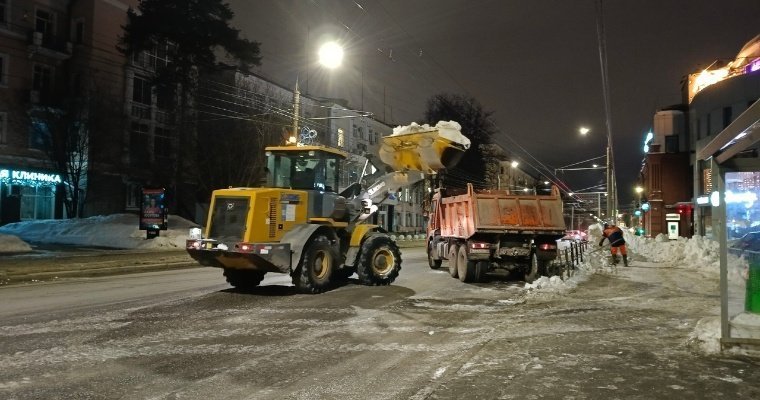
x: 477, y: 232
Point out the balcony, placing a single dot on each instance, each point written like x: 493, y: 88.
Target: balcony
x: 48, y: 45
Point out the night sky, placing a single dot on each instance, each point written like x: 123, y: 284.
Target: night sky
x: 534, y: 64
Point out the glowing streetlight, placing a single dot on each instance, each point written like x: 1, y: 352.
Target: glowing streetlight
x: 514, y: 164
x: 546, y: 182
x: 583, y: 130
x: 331, y: 55
x: 639, y: 189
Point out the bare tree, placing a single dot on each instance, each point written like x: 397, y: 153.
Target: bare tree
x: 65, y: 134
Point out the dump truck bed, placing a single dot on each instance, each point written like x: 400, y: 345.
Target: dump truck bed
x: 500, y: 212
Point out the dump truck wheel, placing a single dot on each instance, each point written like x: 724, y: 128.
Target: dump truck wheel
x: 465, y: 267
x: 481, y: 268
x: 380, y: 261
x: 432, y: 262
x: 533, y: 269
x: 316, y: 268
x: 452, y: 261
x: 243, y: 279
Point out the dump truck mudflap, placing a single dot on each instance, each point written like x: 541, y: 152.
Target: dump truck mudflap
x: 264, y: 257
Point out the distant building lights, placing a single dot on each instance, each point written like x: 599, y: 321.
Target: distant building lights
x: 754, y: 66
x: 715, y: 199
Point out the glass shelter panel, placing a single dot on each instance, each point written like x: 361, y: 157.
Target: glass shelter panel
x: 742, y: 200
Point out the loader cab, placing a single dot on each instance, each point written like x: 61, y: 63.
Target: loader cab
x: 304, y: 167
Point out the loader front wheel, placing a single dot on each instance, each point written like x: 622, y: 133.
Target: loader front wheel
x: 316, y: 267
x: 243, y: 279
x: 379, y: 262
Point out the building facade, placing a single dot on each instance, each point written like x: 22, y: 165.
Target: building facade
x: 677, y: 186
x: 717, y: 97
x: 665, y: 203
x: 34, y: 49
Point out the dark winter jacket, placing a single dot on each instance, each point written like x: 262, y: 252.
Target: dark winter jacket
x: 615, y: 236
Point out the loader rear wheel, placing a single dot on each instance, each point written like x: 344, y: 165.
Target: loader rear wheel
x: 243, y: 279
x: 316, y: 267
x: 432, y: 262
x: 379, y: 262
x: 452, y: 261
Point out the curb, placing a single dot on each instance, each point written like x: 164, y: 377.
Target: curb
x: 7, y: 279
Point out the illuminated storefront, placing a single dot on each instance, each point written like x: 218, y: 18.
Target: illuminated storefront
x: 27, y: 195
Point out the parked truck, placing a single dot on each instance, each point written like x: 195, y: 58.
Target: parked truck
x: 477, y: 232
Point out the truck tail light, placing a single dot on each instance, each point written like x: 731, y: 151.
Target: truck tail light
x: 245, y: 247
x: 194, y: 244
x: 547, y: 246
x: 480, y: 245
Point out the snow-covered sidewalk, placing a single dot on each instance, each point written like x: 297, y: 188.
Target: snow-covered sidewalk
x: 665, y: 259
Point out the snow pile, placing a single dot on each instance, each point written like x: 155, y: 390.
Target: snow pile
x: 448, y: 129
x: 114, y: 231
x: 12, y: 244
x: 553, y: 284
x: 656, y: 250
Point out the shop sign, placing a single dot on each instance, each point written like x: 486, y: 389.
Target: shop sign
x: 28, y: 178
x: 673, y: 217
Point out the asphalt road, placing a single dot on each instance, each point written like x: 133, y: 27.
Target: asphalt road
x: 185, y: 334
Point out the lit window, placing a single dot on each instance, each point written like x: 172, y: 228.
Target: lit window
x: 42, y: 78
x: 39, y: 135
x: 141, y: 92
x: 3, y: 69
x: 77, y: 31
x: 43, y: 23
x: 4, y: 12
x: 3, y: 127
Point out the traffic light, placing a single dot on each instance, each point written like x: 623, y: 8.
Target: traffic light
x: 645, y: 206
x: 637, y: 213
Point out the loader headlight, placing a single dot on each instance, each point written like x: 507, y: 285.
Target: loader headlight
x: 195, y: 234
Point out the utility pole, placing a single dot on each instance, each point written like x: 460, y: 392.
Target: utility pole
x: 296, y: 109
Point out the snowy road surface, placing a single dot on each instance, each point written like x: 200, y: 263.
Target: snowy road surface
x: 183, y: 334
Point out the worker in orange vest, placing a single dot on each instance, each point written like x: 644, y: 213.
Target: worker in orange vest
x: 615, y: 236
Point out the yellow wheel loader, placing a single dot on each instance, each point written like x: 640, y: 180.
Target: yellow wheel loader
x: 302, y: 225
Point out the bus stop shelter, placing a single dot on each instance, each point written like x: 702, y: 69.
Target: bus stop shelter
x: 732, y: 158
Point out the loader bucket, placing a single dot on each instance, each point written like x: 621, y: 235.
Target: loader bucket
x: 426, y: 151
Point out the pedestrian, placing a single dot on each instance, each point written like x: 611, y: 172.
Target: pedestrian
x: 615, y: 235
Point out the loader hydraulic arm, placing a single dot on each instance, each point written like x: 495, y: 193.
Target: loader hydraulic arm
x: 404, y: 158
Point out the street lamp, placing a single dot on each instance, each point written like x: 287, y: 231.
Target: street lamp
x: 514, y: 164
x: 331, y: 55
x: 583, y: 130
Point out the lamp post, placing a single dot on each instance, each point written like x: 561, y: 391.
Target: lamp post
x: 611, y: 189
x: 330, y: 56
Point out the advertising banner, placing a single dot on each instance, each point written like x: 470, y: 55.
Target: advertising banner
x: 153, y: 215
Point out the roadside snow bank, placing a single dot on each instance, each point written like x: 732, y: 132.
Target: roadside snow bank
x: 115, y: 231
x: 12, y: 244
